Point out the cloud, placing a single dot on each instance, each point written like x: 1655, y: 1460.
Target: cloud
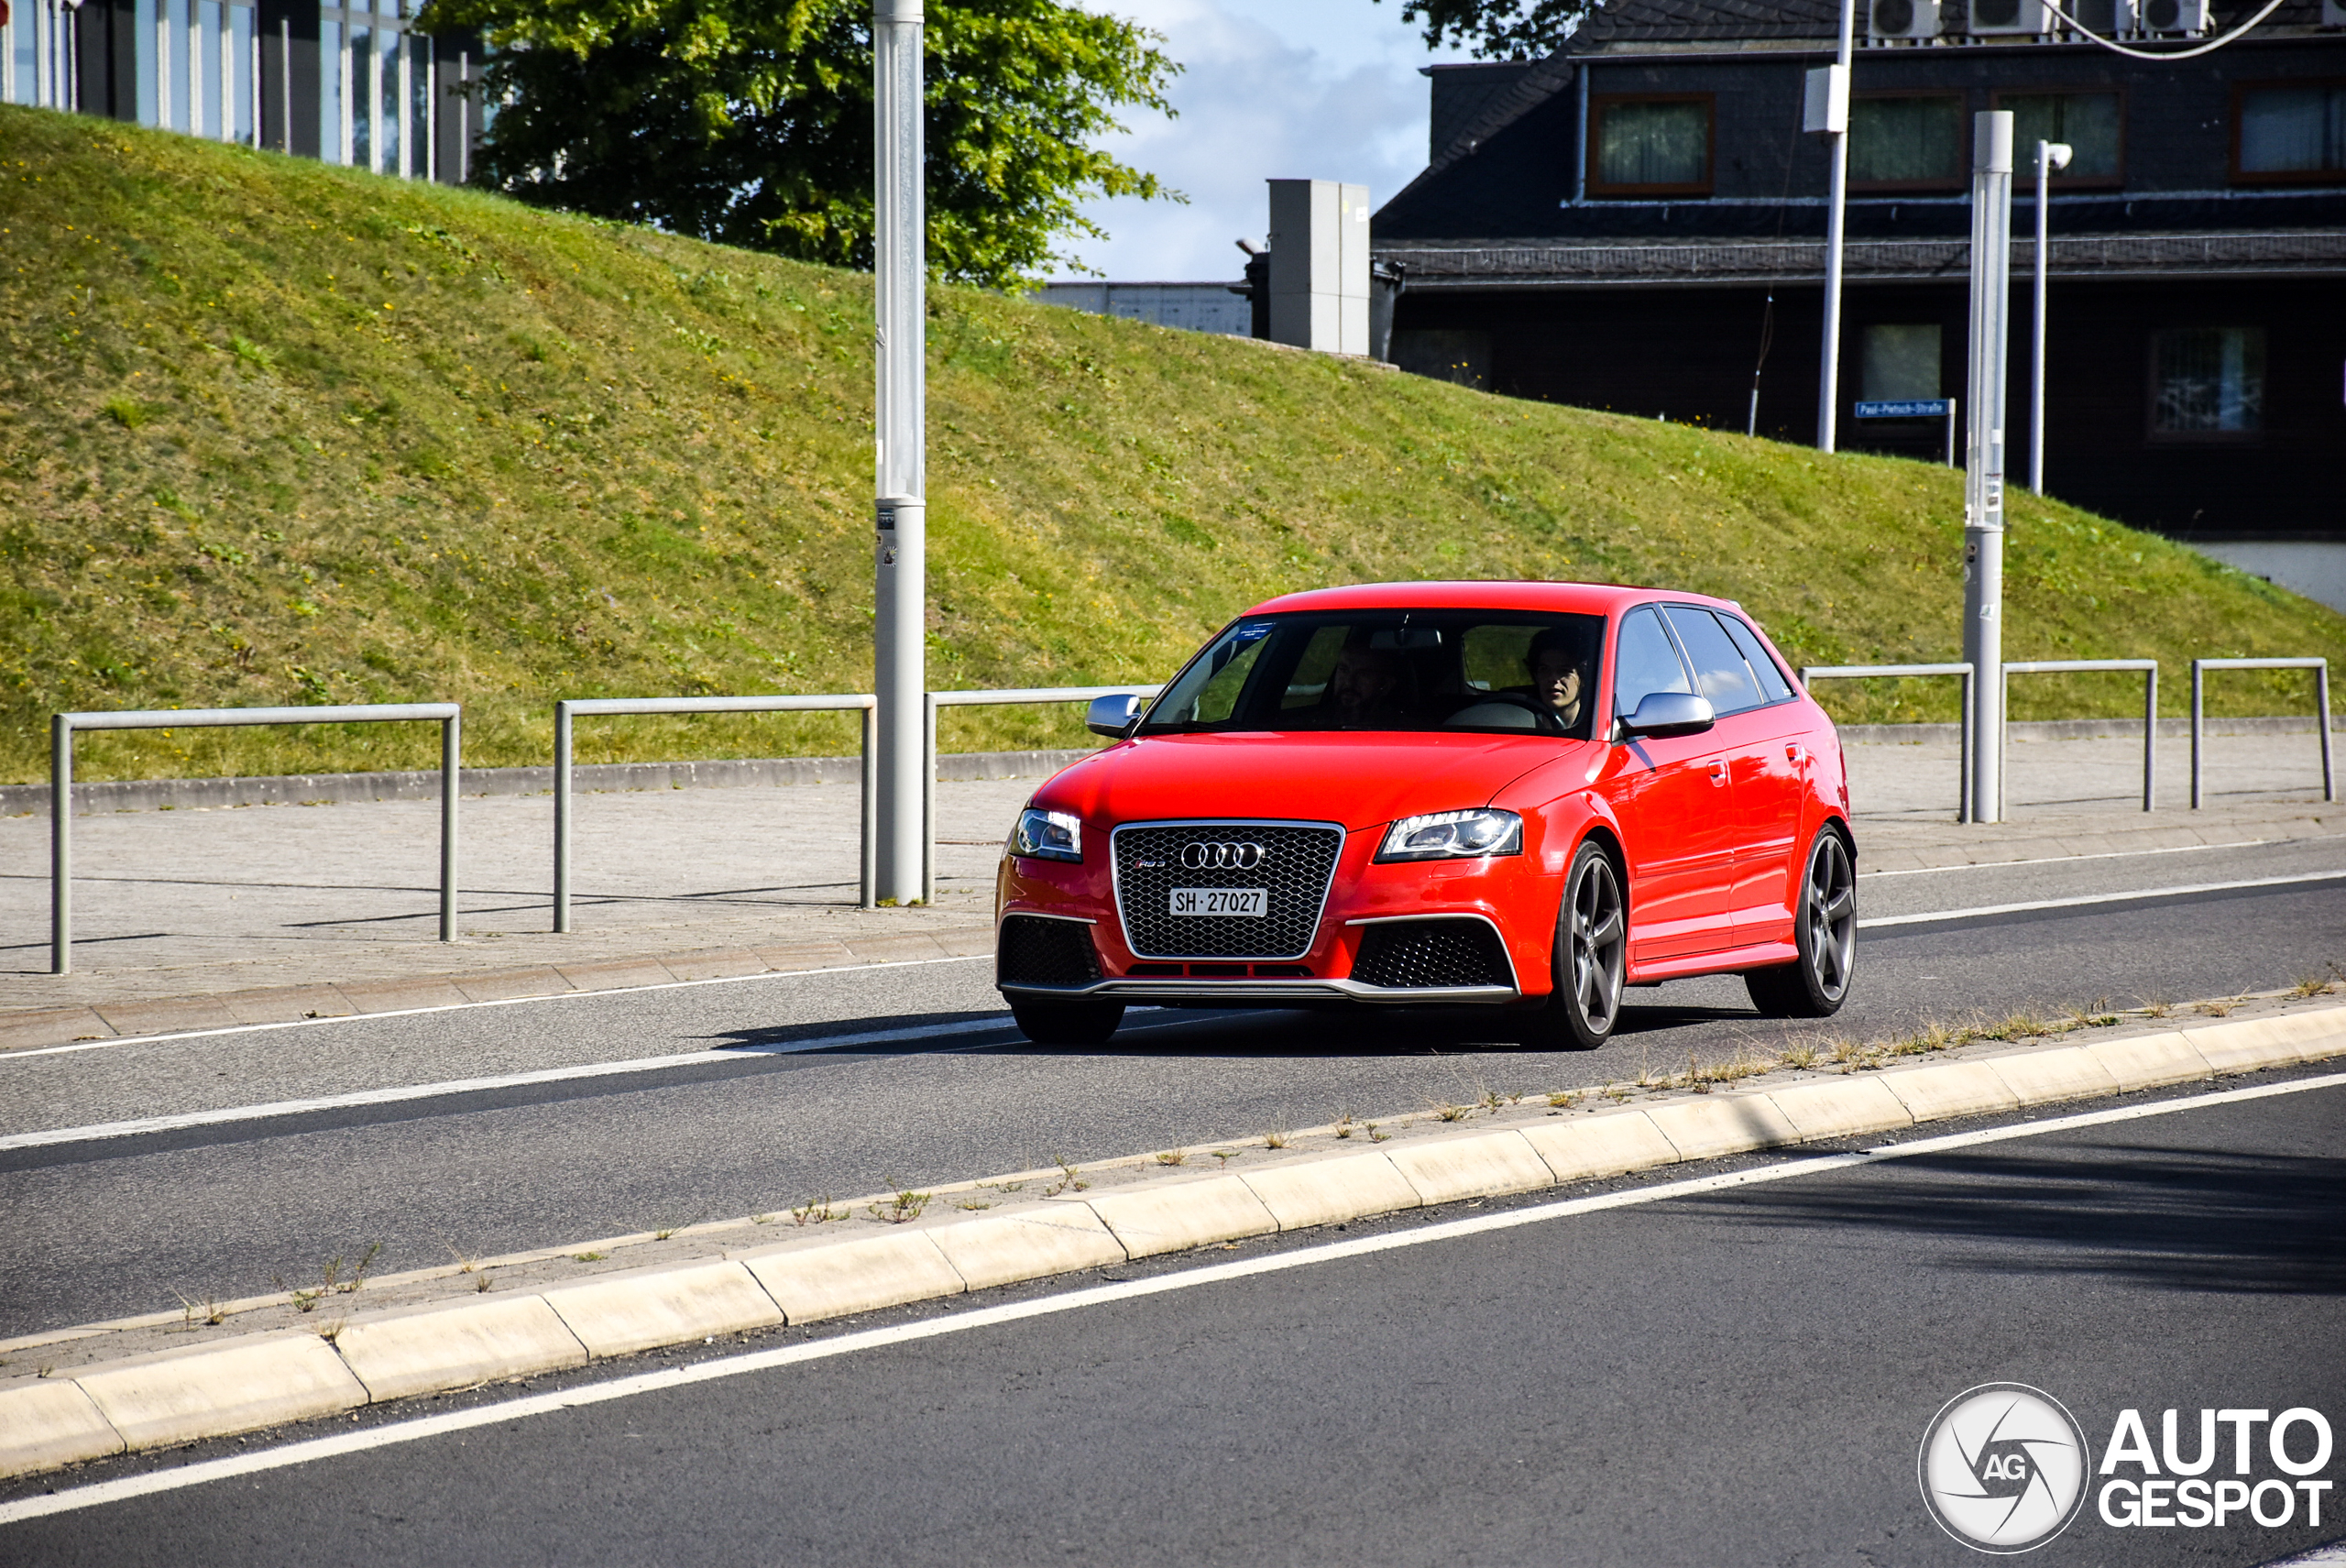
x: 1311, y: 89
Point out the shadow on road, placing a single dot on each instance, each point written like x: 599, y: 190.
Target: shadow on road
x: 2157, y: 1218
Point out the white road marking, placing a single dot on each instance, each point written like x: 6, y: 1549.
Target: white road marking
x: 2058, y: 859
x: 466, y: 1006
x: 395, y: 1434
x: 1933, y: 916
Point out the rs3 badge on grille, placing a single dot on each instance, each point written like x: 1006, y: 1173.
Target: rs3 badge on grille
x: 1246, y: 901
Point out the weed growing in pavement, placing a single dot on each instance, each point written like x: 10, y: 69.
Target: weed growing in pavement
x: 485, y: 1283
x: 1564, y: 1100
x: 1172, y: 1156
x: 586, y: 1257
x: 1800, y: 1058
x: 816, y: 1211
x: 1225, y: 1156
x: 1343, y: 1128
x: 466, y: 1262
x: 974, y: 1203
x: 1004, y: 1185
x: 902, y: 1208
x: 1275, y: 1140
x: 1616, y: 1094
x: 1374, y: 1136
x: 1069, y: 1181
x: 193, y: 1312
x: 2312, y: 985
x: 2157, y: 1007
x: 1447, y: 1112
x: 2218, y: 1009
x: 2095, y: 1014
x: 1846, y: 1051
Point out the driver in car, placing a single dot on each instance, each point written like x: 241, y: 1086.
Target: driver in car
x: 1361, y: 684
x: 1559, y: 673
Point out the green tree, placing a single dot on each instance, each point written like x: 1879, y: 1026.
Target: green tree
x: 1498, y: 30
x: 749, y: 122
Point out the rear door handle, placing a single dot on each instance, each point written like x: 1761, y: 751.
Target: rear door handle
x: 1719, y: 770
x: 1796, y: 754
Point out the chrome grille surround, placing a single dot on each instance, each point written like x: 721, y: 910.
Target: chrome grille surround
x: 1299, y: 867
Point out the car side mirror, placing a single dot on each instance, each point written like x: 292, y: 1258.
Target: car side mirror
x: 1670, y: 713
x: 1113, y: 714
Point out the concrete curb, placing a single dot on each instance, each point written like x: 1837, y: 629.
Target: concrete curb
x: 269, y: 1379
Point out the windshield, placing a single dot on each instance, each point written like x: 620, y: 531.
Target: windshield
x: 1391, y: 670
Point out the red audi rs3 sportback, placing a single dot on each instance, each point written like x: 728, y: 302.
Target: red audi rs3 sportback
x: 1520, y: 795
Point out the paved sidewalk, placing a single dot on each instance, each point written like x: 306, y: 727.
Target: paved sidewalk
x: 197, y: 919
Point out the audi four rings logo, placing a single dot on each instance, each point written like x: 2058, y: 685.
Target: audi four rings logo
x: 1222, y: 857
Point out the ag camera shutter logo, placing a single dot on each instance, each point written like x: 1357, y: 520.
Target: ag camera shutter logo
x: 2003, y: 1467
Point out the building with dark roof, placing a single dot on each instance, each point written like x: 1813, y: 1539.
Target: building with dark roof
x: 1638, y: 223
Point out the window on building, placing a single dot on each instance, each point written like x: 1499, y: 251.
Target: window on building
x: 1906, y: 142
x: 2207, y: 381
x: 1650, y: 147
x: 1900, y: 362
x: 2290, y: 134
x: 2091, y: 123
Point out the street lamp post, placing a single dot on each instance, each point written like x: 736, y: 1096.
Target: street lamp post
x: 2050, y: 156
x: 899, y: 626
x: 1983, y: 469
x: 1836, y: 126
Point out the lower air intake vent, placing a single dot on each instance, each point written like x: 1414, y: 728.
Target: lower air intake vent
x: 1410, y: 954
x: 1033, y: 951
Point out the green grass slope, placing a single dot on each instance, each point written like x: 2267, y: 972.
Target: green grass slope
x: 277, y: 432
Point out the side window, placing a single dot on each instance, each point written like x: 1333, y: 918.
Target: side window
x: 1719, y: 669
x: 1771, y: 679
x: 1646, y: 663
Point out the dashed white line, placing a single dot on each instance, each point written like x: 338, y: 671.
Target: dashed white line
x: 1931, y: 917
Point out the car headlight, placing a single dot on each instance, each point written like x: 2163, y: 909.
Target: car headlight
x: 1047, y: 835
x: 1453, y: 836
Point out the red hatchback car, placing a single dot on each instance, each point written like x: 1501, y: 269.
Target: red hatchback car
x: 1522, y: 796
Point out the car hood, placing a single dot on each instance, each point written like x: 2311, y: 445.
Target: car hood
x: 1360, y: 781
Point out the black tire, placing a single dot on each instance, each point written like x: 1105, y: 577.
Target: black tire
x: 1824, y: 929
x: 1068, y: 1022
x: 1590, y: 955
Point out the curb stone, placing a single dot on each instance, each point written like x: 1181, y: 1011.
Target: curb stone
x: 267, y: 1379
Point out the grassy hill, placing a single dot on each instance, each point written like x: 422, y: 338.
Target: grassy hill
x: 277, y: 432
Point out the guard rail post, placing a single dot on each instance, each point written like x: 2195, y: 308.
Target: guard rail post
x: 570, y: 708
x: 62, y: 726
x: 2320, y: 668
x: 1964, y: 806
x: 2147, y: 668
x: 1007, y: 698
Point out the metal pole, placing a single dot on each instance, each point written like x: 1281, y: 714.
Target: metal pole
x: 868, y: 775
x: 450, y: 749
x: 2199, y: 710
x: 1828, y: 380
x: 562, y: 818
x: 1983, y: 478
x: 929, y: 798
x: 901, y: 589
x: 2321, y: 722
x: 1952, y: 404
x: 61, y: 844
x: 2036, y: 332
x: 1965, y: 809
x: 2150, y: 733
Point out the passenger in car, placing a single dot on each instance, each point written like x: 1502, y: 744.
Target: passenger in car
x: 1361, y: 688
x: 1559, y: 658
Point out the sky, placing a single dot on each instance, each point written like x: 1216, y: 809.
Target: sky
x: 1272, y: 89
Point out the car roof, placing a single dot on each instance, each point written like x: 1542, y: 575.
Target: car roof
x: 1562, y: 599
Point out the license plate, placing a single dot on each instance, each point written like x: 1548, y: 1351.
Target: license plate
x: 1247, y: 901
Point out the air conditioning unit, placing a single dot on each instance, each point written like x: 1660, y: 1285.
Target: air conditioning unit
x: 1999, y: 18
x: 2104, y: 18
x: 1903, y: 20
x: 2171, y: 18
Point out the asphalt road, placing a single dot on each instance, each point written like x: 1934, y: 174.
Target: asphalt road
x: 104, y: 1228
x: 1736, y: 1377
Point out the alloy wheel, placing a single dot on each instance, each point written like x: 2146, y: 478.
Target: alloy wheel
x: 1831, y: 910
x: 1600, y: 938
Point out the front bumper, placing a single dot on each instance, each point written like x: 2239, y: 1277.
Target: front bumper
x: 1168, y: 992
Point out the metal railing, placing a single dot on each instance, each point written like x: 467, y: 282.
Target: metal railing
x: 984, y: 699
x: 575, y: 708
x: 61, y: 728
x: 2320, y: 668
x: 1961, y: 671
x: 2147, y: 668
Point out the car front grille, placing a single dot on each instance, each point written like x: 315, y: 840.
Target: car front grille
x: 1036, y: 951
x: 1298, y: 862
x: 1408, y: 954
